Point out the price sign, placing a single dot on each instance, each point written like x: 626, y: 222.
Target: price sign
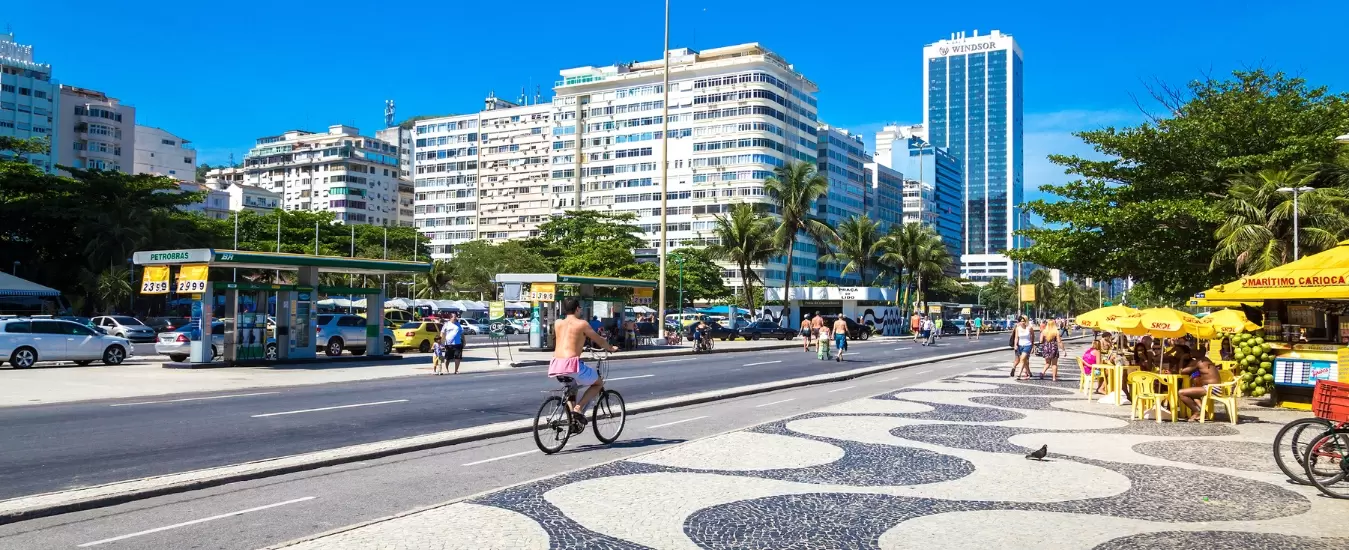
x: 192, y: 279
x: 541, y: 292
x: 642, y: 296
x: 155, y: 280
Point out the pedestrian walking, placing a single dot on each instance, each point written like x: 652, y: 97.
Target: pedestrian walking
x: 453, y: 336
x: 938, y: 324
x: 822, y: 342
x: 978, y: 327
x: 805, y: 332
x: 816, y: 323
x: 840, y: 336
x: 926, y: 329
x: 915, y: 325
x: 437, y: 349
x: 1049, y: 349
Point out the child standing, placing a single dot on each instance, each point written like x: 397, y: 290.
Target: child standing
x: 436, y: 351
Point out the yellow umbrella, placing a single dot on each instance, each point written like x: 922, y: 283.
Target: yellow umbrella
x: 1230, y: 321
x: 1162, y: 322
x: 1104, y: 318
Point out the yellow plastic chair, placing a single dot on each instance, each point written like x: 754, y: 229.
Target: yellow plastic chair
x: 1225, y: 393
x: 1144, y: 395
x: 1087, y: 382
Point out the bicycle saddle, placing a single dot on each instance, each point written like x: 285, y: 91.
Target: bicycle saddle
x: 565, y: 379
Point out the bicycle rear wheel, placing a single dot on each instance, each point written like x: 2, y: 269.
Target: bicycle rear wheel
x: 1327, y: 462
x: 552, y: 426
x: 1290, y: 446
x: 609, y: 416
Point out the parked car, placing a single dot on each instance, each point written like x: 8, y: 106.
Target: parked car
x: 472, y: 327
x: 766, y: 329
x: 394, y: 318
x: 341, y: 331
x: 715, y: 330
x: 83, y: 321
x: 24, y: 342
x: 127, y: 327
x: 952, y: 327
x: 416, y: 334
x: 856, y: 331
x: 167, y: 324
x: 178, y: 344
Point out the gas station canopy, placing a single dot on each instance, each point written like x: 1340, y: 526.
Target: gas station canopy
x: 274, y: 260
x: 573, y: 280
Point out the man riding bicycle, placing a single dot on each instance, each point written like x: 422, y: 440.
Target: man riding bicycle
x: 700, y: 336
x: 572, y: 333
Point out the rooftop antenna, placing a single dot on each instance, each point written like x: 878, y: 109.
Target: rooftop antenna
x: 388, y: 113
x: 538, y: 94
x: 523, y: 97
x: 232, y: 165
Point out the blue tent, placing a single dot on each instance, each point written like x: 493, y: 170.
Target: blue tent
x: 723, y: 310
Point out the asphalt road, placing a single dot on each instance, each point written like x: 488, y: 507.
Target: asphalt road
x: 281, y: 508
x: 54, y: 447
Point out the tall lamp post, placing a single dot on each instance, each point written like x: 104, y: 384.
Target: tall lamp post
x: 664, y: 168
x: 1295, y: 191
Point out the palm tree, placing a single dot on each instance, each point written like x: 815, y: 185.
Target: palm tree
x: 1258, y: 232
x: 1072, y: 295
x: 110, y: 287
x: 1044, y: 289
x: 858, y: 242
x: 436, y: 282
x: 746, y: 239
x: 909, y: 254
x: 794, y: 189
x: 998, y: 294
x: 932, y: 260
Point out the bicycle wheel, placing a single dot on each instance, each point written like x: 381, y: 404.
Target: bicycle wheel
x: 552, y: 426
x: 1290, y: 446
x: 1327, y: 462
x: 609, y: 416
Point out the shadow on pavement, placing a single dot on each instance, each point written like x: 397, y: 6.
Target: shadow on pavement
x: 626, y: 444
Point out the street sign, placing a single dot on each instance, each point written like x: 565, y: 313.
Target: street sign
x: 1028, y: 293
x: 155, y: 280
x: 192, y: 278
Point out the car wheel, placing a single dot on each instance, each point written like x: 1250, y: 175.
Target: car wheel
x: 425, y: 347
x: 782, y: 338
x: 334, y: 347
x: 866, y: 335
x: 357, y: 351
x: 23, y: 358
x: 388, y: 346
x: 177, y: 358
x: 269, y: 352
x: 756, y: 336
x: 83, y: 363
x: 114, y: 355
x: 215, y: 353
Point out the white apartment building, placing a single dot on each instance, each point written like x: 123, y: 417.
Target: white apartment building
x: 29, y: 98
x: 736, y: 113
x: 97, y: 132
x: 340, y: 171
x: 445, y: 181
x: 216, y: 203
x: 406, y: 196
x: 160, y: 152
x: 241, y: 195
x: 513, y: 169
x: 885, y: 199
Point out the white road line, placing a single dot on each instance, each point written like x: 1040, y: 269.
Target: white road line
x: 841, y: 389
x: 926, y: 371
x: 676, y: 422
x: 491, y: 375
x: 671, y: 361
x: 775, y: 402
x: 852, y: 353
x: 523, y: 453
x: 628, y: 377
x: 193, y: 522
x: 760, y: 363
x: 330, y: 408
x: 888, y: 379
x: 902, y: 349
x: 191, y: 399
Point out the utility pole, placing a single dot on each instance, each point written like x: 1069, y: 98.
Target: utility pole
x: 664, y: 169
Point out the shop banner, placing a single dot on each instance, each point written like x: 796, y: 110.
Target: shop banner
x: 192, y: 278
x: 155, y: 279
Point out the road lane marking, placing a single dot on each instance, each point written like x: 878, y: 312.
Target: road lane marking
x: 760, y: 363
x: 628, y: 377
x: 676, y: 422
x: 775, y: 402
x: 671, y: 361
x: 902, y: 349
x: 888, y: 379
x: 192, y: 399
x: 193, y: 522
x: 852, y: 353
x: 330, y: 408
x: 522, y: 453
x: 925, y: 372
x: 841, y: 389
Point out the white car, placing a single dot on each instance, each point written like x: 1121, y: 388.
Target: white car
x: 178, y: 344
x: 24, y: 342
x: 339, y: 331
x: 125, y: 326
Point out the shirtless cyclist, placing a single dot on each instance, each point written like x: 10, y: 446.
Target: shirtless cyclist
x: 572, y: 332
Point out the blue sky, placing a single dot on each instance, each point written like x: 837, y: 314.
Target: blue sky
x: 224, y: 73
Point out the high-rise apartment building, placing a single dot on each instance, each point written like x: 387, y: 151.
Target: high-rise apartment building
x: 513, y: 169
x: 160, y: 152
x: 96, y: 132
x: 933, y: 186
x: 445, y: 181
x: 29, y: 98
x: 842, y: 159
x: 972, y: 106
x: 885, y: 200
x: 736, y: 113
x: 340, y: 171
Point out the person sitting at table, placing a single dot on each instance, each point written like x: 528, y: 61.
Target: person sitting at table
x: 1143, y: 354
x: 1202, y: 372
x: 1089, y: 361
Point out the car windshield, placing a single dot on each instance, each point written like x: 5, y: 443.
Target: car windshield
x: 127, y: 321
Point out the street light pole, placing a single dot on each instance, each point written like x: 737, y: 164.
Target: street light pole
x: 1295, y: 191
x: 664, y: 167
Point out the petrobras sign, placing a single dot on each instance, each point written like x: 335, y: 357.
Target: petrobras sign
x: 160, y: 257
x: 960, y: 49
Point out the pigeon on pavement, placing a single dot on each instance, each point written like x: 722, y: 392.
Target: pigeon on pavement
x: 1039, y: 454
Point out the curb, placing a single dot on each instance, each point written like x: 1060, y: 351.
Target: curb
x: 653, y: 355
x: 111, y: 494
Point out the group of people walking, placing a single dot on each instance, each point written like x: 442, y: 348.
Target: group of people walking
x: 1028, y: 339
x: 816, y: 329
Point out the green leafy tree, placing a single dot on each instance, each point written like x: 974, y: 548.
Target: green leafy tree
x: 998, y: 295
x: 476, y: 264
x: 437, y: 283
x: 911, y: 254
x: 857, y: 241
x: 1257, y: 233
x: 702, y: 281
x: 1068, y: 298
x: 576, y: 232
x: 745, y: 239
x: 1147, y: 211
x: 602, y: 259
x: 110, y: 287
x: 794, y: 189
x: 1044, y: 289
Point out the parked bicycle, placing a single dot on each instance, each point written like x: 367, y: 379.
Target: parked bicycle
x: 1292, y: 442
x: 554, y: 424
x: 1319, y: 446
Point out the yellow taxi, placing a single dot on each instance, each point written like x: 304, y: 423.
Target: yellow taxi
x: 419, y: 335
x: 394, y: 318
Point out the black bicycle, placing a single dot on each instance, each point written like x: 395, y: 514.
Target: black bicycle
x: 1292, y: 442
x: 554, y: 424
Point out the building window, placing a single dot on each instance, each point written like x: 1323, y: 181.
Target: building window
x: 168, y: 142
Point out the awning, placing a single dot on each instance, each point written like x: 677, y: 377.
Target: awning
x: 14, y: 286
x: 1323, y: 276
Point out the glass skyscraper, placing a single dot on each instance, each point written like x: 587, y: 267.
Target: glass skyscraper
x: 972, y: 108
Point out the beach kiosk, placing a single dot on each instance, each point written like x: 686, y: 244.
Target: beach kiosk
x: 1306, y: 320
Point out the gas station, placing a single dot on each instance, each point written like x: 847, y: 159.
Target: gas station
x: 545, y: 292
x: 244, y: 306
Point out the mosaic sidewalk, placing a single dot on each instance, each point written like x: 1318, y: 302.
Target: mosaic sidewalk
x: 937, y: 465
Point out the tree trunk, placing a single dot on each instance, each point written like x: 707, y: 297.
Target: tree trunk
x: 749, y: 292
x: 787, y: 285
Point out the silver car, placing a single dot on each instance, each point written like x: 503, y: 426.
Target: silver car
x: 24, y: 342
x: 338, y: 331
x: 178, y: 344
x: 125, y: 326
